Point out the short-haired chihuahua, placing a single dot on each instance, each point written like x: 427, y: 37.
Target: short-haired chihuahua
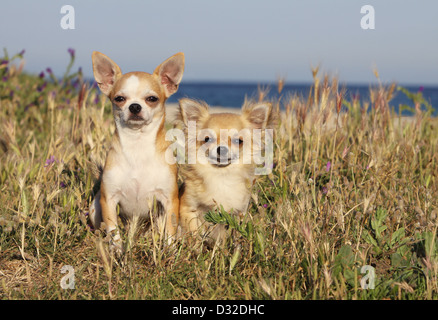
x: 136, y: 177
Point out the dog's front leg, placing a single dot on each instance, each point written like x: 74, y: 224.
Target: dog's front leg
x: 189, y: 219
x: 95, y: 212
x: 167, y: 220
x: 172, y: 217
x: 109, y: 216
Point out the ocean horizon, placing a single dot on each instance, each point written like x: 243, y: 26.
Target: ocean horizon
x: 233, y: 94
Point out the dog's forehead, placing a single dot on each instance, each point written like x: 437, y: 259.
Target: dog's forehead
x: 219, y: 121
x: 137, y: 84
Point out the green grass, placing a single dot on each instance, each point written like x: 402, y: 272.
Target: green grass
x: 348, y: 189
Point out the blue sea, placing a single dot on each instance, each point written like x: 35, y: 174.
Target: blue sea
x: 233, y: 94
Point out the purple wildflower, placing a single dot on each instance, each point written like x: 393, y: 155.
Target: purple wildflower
x: 50, y: 161
x: 265, y: 205
x: 421, y: 89
x: 49, y: 70
x: 72, y: 52
x: 324, y: 190
x: 62, y: 185
x: 22, y: 52
x: 328, y: 166
x: 42, y: 87
x: 28, y: 106
x: 41, y: 75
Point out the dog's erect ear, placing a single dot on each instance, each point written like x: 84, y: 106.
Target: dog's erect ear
x: 191, y: 110
x: 170, y: 73
x: 258, y: 114
x: 106, y: 71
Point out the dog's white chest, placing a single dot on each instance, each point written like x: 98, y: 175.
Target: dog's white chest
x: 230, y: 191
x: 139, y: 187
x: 139, y: 176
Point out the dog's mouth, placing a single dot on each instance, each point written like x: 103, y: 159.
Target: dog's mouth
x: 135, y: 121
x: 135, y: 118
x: 221, y: 162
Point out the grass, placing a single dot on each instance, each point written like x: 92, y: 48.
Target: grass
x: 352, y: 185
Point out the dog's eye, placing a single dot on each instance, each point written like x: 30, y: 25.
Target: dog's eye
x: 152, y: 99
x: 238, y: 141
x: 119, y: 99
x: 207, y: 139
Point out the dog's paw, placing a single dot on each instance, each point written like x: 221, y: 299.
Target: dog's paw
x: 115, y: 243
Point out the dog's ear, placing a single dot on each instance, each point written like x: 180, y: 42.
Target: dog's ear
x: 260, y: 115
x: 106, y: 71
x: 191, y: 110
x: 170, y: 73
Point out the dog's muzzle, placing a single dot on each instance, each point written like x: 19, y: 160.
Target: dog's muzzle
x: 222, y: 158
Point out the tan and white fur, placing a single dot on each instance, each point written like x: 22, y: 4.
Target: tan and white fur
x: 136, y: 178
x: 223, y: 179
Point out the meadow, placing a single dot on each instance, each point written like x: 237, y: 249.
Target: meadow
x: 353, y: 184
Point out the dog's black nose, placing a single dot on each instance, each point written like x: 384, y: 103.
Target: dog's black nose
x: 222, y: 151
x: 135, y: 108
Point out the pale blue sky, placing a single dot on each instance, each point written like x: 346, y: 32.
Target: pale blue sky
x: 233, y: 40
